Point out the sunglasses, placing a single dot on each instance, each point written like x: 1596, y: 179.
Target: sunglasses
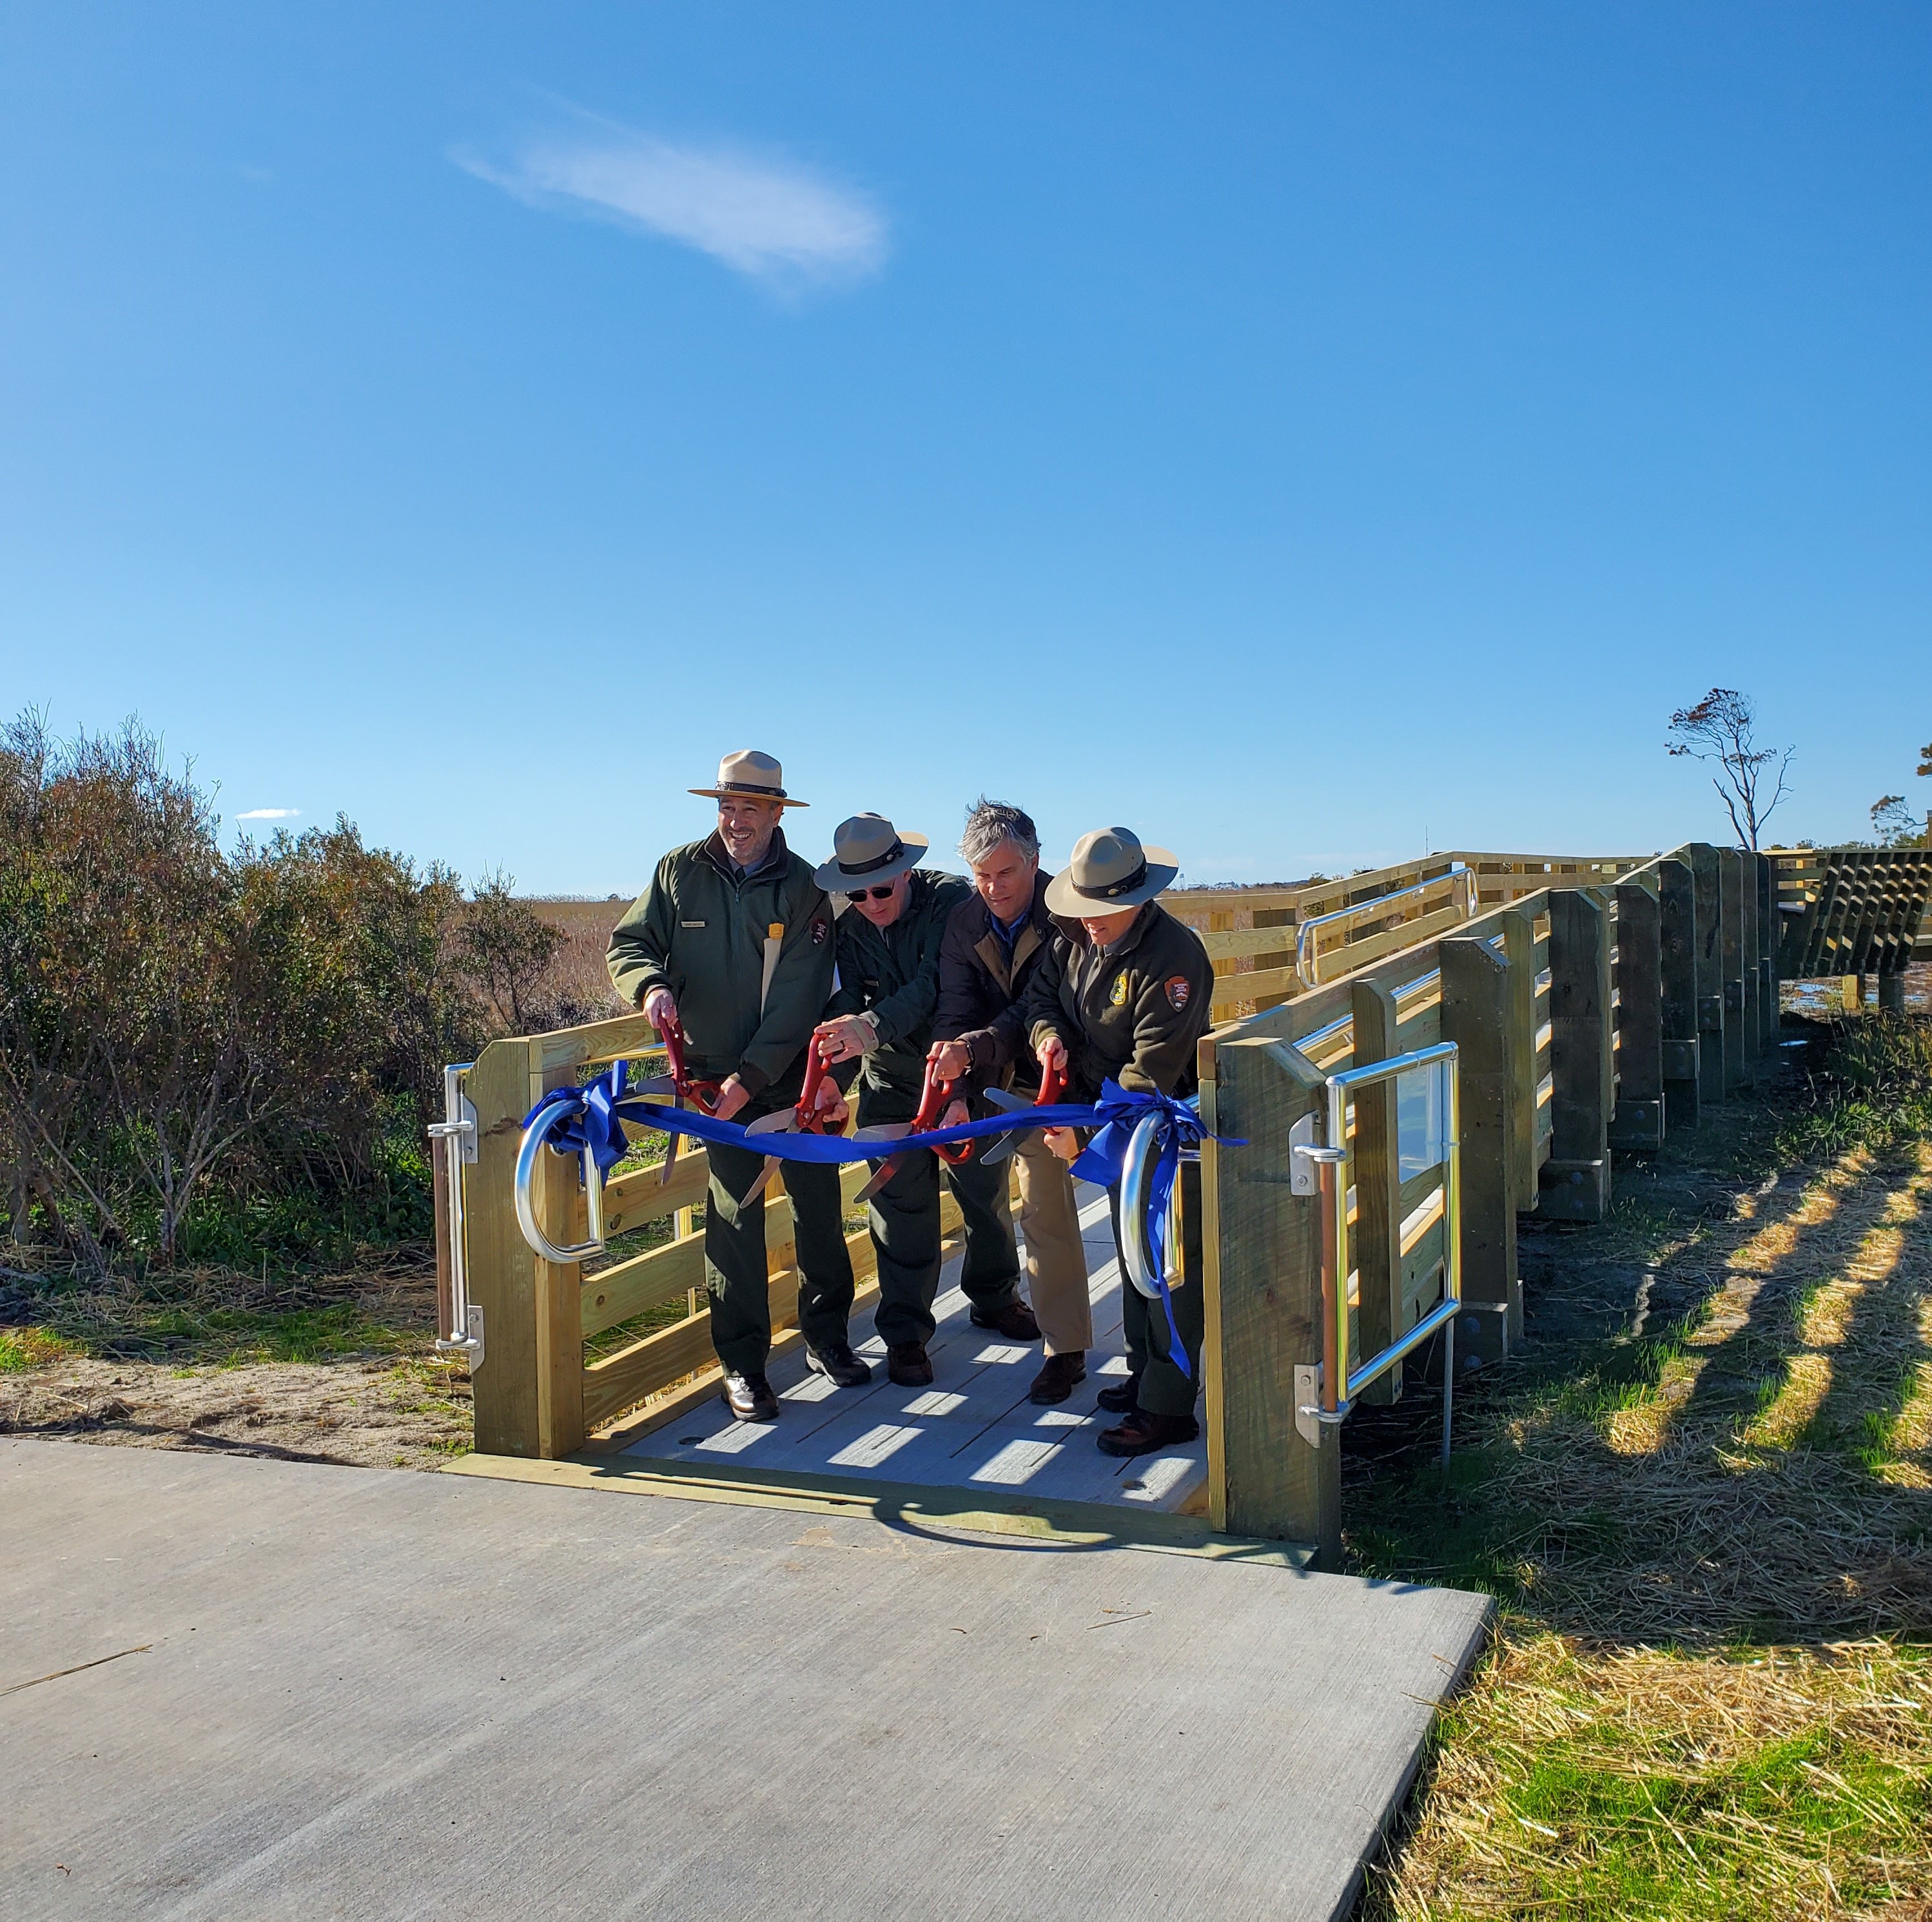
x: 877, y: 894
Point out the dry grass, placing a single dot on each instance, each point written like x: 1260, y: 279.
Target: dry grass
x: 1589, y: 1782
x: 577, y: 974
x: 1707, y: 1519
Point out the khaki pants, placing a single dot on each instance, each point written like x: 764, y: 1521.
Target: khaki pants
x: 1056, y: 1264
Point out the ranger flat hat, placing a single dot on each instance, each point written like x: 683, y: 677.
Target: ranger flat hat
x: 867, y: 851
x: 756, y: 776
x: 1110, y: 870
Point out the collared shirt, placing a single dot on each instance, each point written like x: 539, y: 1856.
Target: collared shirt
x: 1009, y: 931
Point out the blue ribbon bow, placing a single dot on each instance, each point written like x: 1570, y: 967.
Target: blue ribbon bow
x: 595, y: 1114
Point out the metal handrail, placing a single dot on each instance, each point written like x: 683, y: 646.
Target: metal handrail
x: 1307, y: 964
x: 1340, y: 1385
x: 1136, y: 1257
x: 534, y: 1136
x: 455, y: 1139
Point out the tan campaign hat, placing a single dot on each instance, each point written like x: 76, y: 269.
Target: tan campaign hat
x: 750, y: 773
x: 1110, y: 870
x: 867, y: 851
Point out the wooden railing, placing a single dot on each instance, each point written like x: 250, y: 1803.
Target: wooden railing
x: 1257, y: 936
x: 1587, y: 1017
x: 535, y: 1393
x: 1850, y: 911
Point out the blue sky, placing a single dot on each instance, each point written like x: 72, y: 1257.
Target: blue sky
x: 1292, y: 431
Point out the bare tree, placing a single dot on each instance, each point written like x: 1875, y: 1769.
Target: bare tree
x: 1894, y: 824
x: 1722, y: 728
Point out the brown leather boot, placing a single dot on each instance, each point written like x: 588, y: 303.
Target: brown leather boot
x: 1122, y: 1399
x: 1058, y: 1379
x: 907, y: 1364
x: 1015, y: 1321
x: 1141, y: 1433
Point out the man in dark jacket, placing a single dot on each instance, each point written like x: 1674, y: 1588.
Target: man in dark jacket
x: 881, y: 1020
x: 731, y: 943
x: 993, y: 942
x: 1126, y: 1001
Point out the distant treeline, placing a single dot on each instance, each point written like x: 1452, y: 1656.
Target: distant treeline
x: 199, y: 1049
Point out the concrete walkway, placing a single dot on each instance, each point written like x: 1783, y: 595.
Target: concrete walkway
x: 363, y: 1694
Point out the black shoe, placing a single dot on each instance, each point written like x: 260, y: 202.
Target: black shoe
x: 836, y: 1359
x: 749, y: 1396
x: 1120, y: 1400
x: 907, y: 1363
x: 1141, y: 1433
x: 1015, y: 1321
x: 1059, y: 1378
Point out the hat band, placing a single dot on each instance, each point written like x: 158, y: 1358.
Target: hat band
x: 891, y: 854
x: 750, y: 787
x: 1114, y: 888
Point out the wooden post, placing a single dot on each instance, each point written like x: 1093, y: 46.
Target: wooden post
x: 1262, y: 1245
x: 1705, y: 861
x: 1376, y: 1241
x: 1750, y: 981
x: 1770, y: 1015
x: 1519, y: 934
x: 530, y: 1389
x: 1477, y: 1017
x: 1677, y: 901
x: 1638, y: 1121
x: 1731, y: 964
x: 1576, y: 1180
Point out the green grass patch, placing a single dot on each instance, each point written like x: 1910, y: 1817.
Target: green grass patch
x: 23, y: 1348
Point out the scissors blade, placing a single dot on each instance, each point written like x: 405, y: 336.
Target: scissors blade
x: 881, y: 1175
x: 883, y: 1131
x: 998, y: 1148
x: 1006, y: 1098
x: 784, y: 1122
x: 653, y: 1084
x: 758, y: 1187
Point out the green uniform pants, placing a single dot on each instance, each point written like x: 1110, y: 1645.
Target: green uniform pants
x: 735, y: 1273
x: 1163, y: 1389
x: 904, y: 1217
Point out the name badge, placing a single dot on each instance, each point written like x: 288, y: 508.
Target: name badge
x: 691, y: 924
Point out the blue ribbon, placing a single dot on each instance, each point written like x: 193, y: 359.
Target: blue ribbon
x: 596, y: 1113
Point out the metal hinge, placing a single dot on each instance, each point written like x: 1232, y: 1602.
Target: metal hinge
x: 1310, y: 1416
x: 464, y: 1130
x: 1305, y: 1156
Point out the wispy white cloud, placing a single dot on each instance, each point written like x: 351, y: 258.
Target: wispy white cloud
x: 268, y: 814
x: 768, y: 218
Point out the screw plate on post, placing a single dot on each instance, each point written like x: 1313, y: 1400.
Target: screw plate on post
x: 1308, y: 1403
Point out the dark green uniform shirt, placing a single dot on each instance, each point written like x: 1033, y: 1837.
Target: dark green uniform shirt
x: 699, y: 929
x: 1131, y: 1012
x: 894, y: 972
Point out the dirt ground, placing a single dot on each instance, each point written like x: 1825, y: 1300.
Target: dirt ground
x: 379, y: 1413
x: 340, y: 1368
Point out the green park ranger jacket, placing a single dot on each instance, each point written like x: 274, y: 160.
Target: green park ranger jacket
x: 699, y: 929
x: 1131, y: 1012
x: 894, y: 972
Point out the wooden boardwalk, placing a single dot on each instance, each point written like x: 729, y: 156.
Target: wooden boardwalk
x: 974, y: 1429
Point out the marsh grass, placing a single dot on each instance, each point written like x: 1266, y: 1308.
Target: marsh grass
x: 203, y: 1317
x: 1705, y: 1517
